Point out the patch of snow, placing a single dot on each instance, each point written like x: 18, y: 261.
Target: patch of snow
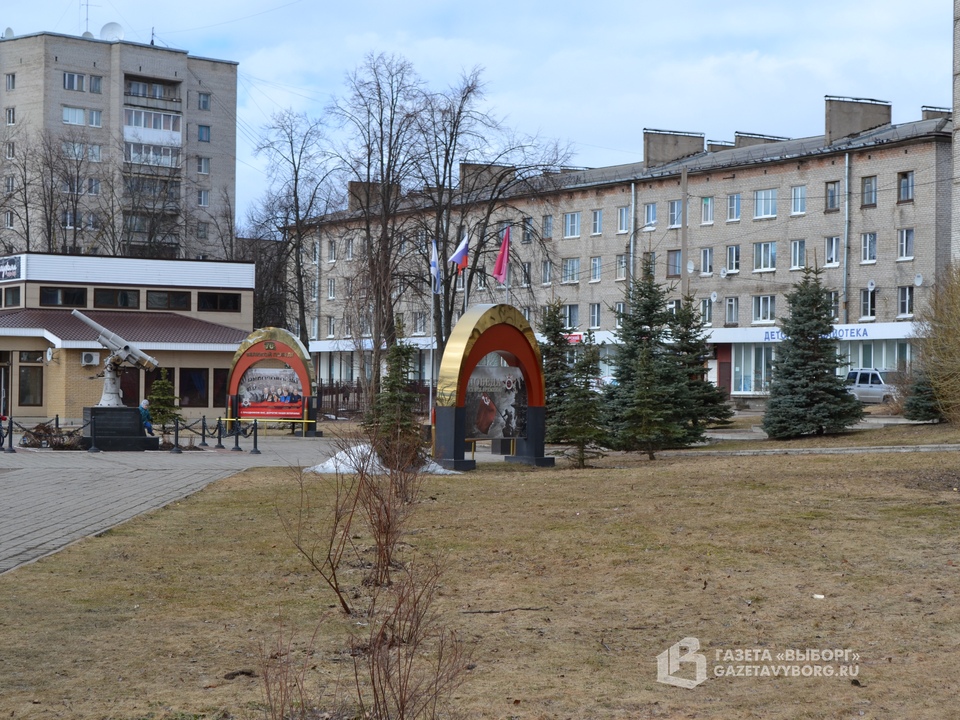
x: 362, y: 457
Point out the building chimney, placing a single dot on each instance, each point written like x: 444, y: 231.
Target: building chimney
x: 665, y: 146
x: 852, y: 116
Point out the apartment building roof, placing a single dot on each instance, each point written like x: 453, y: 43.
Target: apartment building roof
x: 152, y: 330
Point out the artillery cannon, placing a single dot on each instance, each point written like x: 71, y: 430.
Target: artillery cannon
x: 121, y: 352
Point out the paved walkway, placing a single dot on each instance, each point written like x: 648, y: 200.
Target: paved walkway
x: 49, y: 499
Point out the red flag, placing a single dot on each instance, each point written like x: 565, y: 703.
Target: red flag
x: 500, y: 267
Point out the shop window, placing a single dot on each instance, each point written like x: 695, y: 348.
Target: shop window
x: 194, y: 387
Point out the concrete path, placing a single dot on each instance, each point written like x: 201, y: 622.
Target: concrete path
x: 49, y: 499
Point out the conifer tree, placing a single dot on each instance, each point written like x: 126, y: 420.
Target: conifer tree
x: 708, y: 403
x: 392, y: 424
x: 806, y: 395
x: 163, y: 405
x: 581, y: 407
x: 921, y: 403
x: 556, y: 370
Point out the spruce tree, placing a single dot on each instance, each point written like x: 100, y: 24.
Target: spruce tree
x: 392, y: 424
x: 556, y: 370
x: 581, y: 405
x: 163, y: 404
x: 807, y: 396
x: 921, y: 403
x: 708, y: 403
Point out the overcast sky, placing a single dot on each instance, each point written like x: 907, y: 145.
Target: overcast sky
x: 592, y: 74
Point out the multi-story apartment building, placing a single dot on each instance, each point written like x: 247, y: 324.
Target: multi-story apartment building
x: 114, y: 147
x: 732, y: 224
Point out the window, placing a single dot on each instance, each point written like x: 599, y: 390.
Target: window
x: 331, y: 326
x: 168, y: 300
x: 706, y: 261
x: 672, y: 306
x: 419, y: 323
x: 92, y: 221
x: 203, y: 165
x: 595, y: 268
x: 798, y: 254
x: 905, y: 301
x: 527, y: 234
x: 620, y: 309
x: 111, y: 298
x: 733, y: 207
x: 571, y: 225
x: 331, y: 250
x: 11, y: 115
x: 93, y: 153
x: 63, y: 296
x: 798, y: 200
x: 675, y: 210
x: 649, y: 214
x: 94, y: 118
x: 547, y: 227
x: 203, y: 101
x: 153, y: 120
x: 194, y: 386
x: 96, y: 84
x: 11, y: 81
x: 868, y: 247
x: 8, y: 219
x: 10, y: 151
x: 868, y: 191
x: 706, y: 211
x: 594, y: 315
x: 571, y: 316
x: 93, y: 186
x: 348, y: 248
x: 674, y: 261
x: 30, y: 389
x: 203, y: 133
x: 331, y: 288
x: 621, y: 267
x: 68, y: 219
x: 546, y: 272
x: 868, y: 304
x: 649, y: 264
x: 203, y: 198
x: 73, y: 81
x: 224, y: 302
x: 202, y: 230
x: 525, y: 274
x: 764, y: 308
x: 623, y: 219
x: 732, y: 311
x: 570, y: 270
x: 905, y: 186
x: 706, y: 311
x: 752, y: 367
x: 764, y: 256
x: 905, y: 244
x: 834, y: 296
x: 765, y: 203
x: 733, y: 258
x: 9, y: 184
x: 831, y: 250
x: 831, y: 196
x: 11, y: 297
x: 596, y: 224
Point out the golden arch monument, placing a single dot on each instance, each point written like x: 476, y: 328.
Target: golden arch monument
x: 482, y: 330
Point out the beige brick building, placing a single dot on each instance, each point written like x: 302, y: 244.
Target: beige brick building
x: 731, y: 223
x: 114, y: 147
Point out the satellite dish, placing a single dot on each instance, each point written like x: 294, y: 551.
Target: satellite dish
x: 723, y: 272
x: 111, y: 31
x: 918, y: 280
x: 871, y: 285
x: 713, y: 296
x: 49, y: 354
x: 690, y: 267
x: 8, y: 33
x: 87, y: 35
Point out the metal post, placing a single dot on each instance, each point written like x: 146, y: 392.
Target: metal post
x: 56, y: 423
x: 219, y: 445
x: 176, y: 437
x: 203, y: 432
x: 10, y: 437
x: 93, y: 434
x: 236, y: 438
x: 255, y: 451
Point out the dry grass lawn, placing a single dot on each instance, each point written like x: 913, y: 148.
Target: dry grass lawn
x: 565, y: 584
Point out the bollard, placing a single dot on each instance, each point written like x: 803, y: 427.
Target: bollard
x: 255, y: 451
x: 219, y: 445
x: 176, y: 437
x: 93, y: 435
x: 10, y: 437
x: 236, y: 438
x: 203, y: 432
x: 56, y: 423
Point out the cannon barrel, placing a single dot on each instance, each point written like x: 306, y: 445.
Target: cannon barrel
x: 117, y: 345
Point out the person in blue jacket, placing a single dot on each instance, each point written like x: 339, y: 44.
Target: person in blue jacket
x: 145, y: 417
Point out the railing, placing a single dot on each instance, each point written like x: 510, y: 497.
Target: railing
x: 347, y: 398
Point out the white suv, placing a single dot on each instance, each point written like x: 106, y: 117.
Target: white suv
x: 870, y: 385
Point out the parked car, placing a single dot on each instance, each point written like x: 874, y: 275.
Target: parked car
x: 870, y: 385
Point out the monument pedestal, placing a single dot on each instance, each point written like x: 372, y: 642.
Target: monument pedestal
x: 117, y: 429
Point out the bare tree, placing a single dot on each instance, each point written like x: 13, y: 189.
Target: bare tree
x: 298, y: 165
x: 18, y: 155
